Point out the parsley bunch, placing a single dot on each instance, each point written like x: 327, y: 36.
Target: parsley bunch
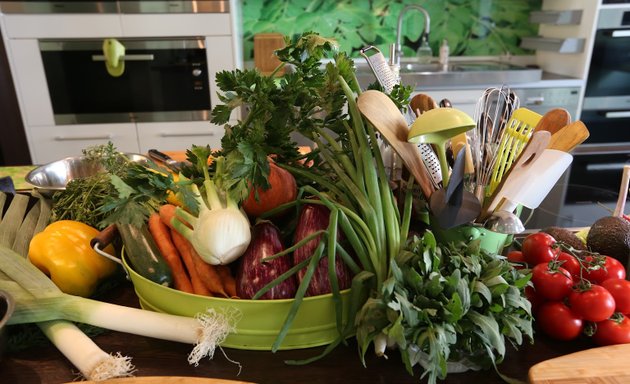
x: 447, y: 304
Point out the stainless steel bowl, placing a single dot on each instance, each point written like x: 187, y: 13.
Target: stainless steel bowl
x: 7, y: 306
x: 54, y: 176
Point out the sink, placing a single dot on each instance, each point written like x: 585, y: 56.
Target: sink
x: 457, y: 73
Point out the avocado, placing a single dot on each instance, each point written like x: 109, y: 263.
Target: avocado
x: 610, y: 236
x: 566, y: 236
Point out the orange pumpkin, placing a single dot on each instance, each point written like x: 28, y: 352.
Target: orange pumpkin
x: 283, y: 189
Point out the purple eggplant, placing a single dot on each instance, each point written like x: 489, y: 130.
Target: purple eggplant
x: 313, y: 218
x: 253, y: 273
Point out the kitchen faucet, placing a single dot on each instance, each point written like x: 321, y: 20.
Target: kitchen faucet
x: 397, y: 51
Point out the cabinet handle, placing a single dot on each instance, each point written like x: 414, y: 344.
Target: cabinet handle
x: 185, y: 134
x: 73, y: 138
x: 126, y: 57
x: 617, y: 115
x: 605, y: 166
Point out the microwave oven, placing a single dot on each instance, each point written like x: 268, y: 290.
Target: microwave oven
x: 164, y: 79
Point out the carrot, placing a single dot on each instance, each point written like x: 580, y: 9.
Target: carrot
x: 187, y: 252
x: 162, y: 237
x: 229, y: 282
x: 167, y: 213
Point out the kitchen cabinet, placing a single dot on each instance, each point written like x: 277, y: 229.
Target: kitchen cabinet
x: 178, y: 136
x: 54, y: 142
x: 50, y: 139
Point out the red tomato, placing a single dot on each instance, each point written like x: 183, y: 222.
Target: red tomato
x: 551, y: 284
x: 613, y: 331
x: 594, y: 304
x: 534, y: 298
x: 620, y: 291
x: 538, y: 248
x: 612, y: 269
x: 517, y: 258
x: 558, y: 321
x: 570, y: 263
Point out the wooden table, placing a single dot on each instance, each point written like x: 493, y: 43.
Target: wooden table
x: 152, y: 357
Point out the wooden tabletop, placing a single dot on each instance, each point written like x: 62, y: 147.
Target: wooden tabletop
x: 45, y: 365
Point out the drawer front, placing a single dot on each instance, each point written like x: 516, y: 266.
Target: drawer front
x: 50, y: 143
x: 178, y: 136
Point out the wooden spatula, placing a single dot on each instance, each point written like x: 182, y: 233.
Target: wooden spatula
x: 569, y: 137
x: 553, y: 120
x: 421, y: 103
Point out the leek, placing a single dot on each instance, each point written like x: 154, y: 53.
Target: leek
x: 47, y: 302
x: 17, y: 227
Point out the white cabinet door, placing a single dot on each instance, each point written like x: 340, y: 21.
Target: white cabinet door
x: 178, y: 136
x: 50, y: 143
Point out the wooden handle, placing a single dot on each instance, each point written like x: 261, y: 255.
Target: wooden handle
x: 105, y: 237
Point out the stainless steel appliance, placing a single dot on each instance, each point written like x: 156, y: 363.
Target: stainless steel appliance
x: 163, y: 80
x: 597, y: 166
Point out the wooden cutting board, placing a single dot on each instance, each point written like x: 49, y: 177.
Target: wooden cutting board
x: 604, y: 365
x: 164, y: 380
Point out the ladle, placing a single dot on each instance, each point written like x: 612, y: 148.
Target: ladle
x: 381, y: 111
x: 504, y: 222
x: 437, y: 126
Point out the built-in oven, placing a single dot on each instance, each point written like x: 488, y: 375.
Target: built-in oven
x: 595, y: 175
x: 156, y: 80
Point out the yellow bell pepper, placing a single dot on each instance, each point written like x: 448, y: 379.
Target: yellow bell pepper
x: 63, y: 252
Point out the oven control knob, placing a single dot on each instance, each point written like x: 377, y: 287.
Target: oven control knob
x: 196, y: 72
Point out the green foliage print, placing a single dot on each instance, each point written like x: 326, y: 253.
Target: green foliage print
x: 472, y: 27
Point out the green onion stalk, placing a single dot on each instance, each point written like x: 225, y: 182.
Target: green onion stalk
x: 362, y: 205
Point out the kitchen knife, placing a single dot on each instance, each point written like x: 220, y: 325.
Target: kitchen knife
x: 168, y: 161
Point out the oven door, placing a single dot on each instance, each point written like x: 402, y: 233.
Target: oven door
x: 163, y: 80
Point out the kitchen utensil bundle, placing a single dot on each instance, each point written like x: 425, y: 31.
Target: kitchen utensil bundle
x: 492, y: 111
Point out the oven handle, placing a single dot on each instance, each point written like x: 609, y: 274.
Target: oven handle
x: 73, y: 138
x: 148, y: 57
x: 186, y: 134
x: 617, y: 114
x: 620, y: 33
x: 605, y: 166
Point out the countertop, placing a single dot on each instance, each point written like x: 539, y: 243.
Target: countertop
x: 45, y: 365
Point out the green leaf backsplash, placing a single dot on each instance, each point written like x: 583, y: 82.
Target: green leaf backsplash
x: 472, y: 27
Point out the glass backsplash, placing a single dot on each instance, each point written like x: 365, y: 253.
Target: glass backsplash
x: 472, y: 27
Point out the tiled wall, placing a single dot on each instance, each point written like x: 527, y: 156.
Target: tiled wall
x: 472, y: 27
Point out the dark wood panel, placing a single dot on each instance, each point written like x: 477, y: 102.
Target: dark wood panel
x: 13, y: 144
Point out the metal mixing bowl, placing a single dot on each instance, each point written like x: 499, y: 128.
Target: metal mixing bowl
x: 54, y: 176
x: 6, y: 310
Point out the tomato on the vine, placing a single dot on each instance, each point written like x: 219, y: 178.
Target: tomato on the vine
x: 538, y: 248
x: 570, y: 263
x: 594, y: 303
x: 612, y: 269
x: 613, y: 331
x: 534, y: 298
x: 552, y: 283
x: 620, y: 291
x: 515, y: 256
x: 558, y: 321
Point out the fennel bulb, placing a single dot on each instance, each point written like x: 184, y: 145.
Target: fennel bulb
x: 221, y: 232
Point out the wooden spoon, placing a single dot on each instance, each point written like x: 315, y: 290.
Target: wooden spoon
x: 421, y: 103
x: 553, y: 120
x: 569, y: 137
x: 378, y: 108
